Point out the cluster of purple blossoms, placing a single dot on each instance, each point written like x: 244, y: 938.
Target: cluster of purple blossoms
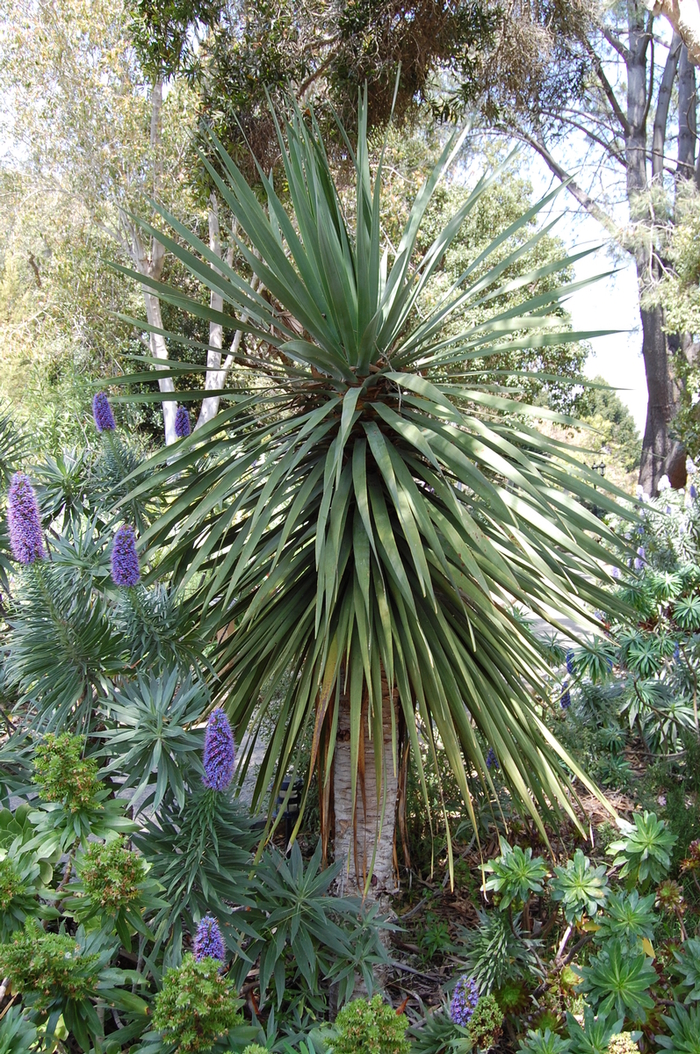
x: 219, y: 754
x: 565, y: 700
x: 677, y: 653
x: 23, y: 521
x: 640, y: 559
x: 693, y: 491
x: 125, y: 559
x: 208, y: 941
x: 102, y: 412
x: 570, y: 662
x: 464, y: 1000
x: 616, y: 572
x: 183, y: 427
x: 491, y: 759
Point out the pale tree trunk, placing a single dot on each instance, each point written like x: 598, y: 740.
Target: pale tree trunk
x: 684, y: 16
x: 661, y: 454
x: 687, y: 131
x: 662, y: 107
x: 213, y: 378
x: 365, y: 841
x: 217, y: 371
x: 150, y: 264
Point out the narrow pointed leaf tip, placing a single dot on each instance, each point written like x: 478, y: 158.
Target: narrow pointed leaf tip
x: 219, y: 755
x: 23, y: 521
x: 125, y: 560
x: 102, y: 413
x: 208, y: 941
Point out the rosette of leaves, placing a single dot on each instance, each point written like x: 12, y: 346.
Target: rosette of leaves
x: 438, y: 1034
x: 687, y: 967
x: 56, y: 602
x: 76, y: 802
x: 370, y: 1026
x: 154, y: 745
x: 69, y: 977
x: 201, y: 855
x: 515, y: 875
x: 619, y: 981
x: 366, y: 502
x: 115, y: 889
x: 642, y: 854
x: 16, y: 754
x: 627, y: 918
x: 196, y: 1005
x: 496, y: 951
x: 17, y: 831
x: 306, y: 938
x: 593, y: 1035
x: 17, y: 1034
x: 20, y: 889
x: 544, y: 1042
x: 61, y: 490
x: 160, y: 629
x: 582, y: 889
x: 684, y: 1026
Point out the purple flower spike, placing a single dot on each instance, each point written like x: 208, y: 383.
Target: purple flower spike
x: 182, y: 423
x: 23, y: 521
x: 565, y: 700
x: 208, y: 941
x: 616, y: 572
x: 464, y: 1000
x: 125, y: 559
x: 218, y: 752
x: 102, y: 412
x: 640, y: 559
x: 569, y: 662
x: 693, y: 491
x: 492, y: 760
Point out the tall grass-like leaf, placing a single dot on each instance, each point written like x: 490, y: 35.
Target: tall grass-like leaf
x: 360, y: 515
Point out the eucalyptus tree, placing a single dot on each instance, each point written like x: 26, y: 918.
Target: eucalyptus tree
x: 620, y: 94
x: 90, y: 134
x: 361, y: 522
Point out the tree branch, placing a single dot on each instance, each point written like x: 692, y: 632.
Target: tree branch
x: 607, y: 89
x: 584, y: 199
x: 684, y: 16
x: 662, y: 107
x: 615, y: 42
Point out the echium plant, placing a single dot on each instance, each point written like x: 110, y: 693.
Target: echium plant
x: 368, y: 509
x: 642, y: 854
x: 23, y: 521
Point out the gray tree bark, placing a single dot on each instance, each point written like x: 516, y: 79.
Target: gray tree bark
x: 661, y: 454
x: 629, y: 146
x: 365, y: 836
x: 150, y: 264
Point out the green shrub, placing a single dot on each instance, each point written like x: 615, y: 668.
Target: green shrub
x: 195, y: 1006
x: 370, y: 1027
x: 63, y: 774
x: 111, y: 875
x: 485, y: 1023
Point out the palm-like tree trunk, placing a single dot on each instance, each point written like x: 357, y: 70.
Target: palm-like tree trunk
x: 364, y: 836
